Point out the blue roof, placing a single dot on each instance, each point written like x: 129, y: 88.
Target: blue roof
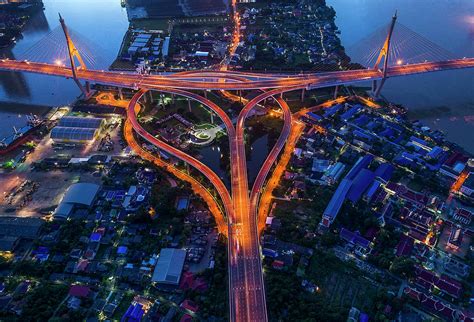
x: 269, y: 253
x: 385, y: 171
x: 122, y: 250
x: 372, y: 190
x: 182, y: 204
x: 363, y: 317
x: 402, y: 161
x: 405, y: 159
x: 362, y: 135
x: 388, y: 132
x: 95, y: 237
x: 435, y: 152
x: 361, y: 120
x: 314, y: 116
x: 363, y: 162
x: 361, y: 182
x: 42, y: 250
x: 134, y: 313
x: 350, y: 112
x: 418, y: 140
x: 354, y: 237
x: 337, y: 199
x: 371, y: 125
x: 332, y: 110
x: 320, y: 165
x: 398, y: 139
x: 394, y: 126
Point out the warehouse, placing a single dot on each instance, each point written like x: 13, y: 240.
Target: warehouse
x: 78, y: 196
x: 75, y: 134
x: 169, y: 266
x: 84, y: 122
x: 77, y: 129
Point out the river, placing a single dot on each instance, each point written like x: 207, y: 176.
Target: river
x: 449, y: 23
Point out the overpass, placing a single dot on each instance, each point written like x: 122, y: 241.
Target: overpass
x: 222, y: 80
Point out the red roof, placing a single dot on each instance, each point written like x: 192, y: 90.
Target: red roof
x: 101, y: 230
x: 456, y: 157
x: 190, y: 305
x: 405, y: 246
x: 187, y: 281
x: 464, y: 213
x: 79, y: 291
x: 445, y: 283
x: 278, y: 264
x: 447, y: 287
x: 82, y: 265
x: 186, y: 318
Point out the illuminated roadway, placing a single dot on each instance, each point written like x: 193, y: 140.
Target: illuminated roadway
x: 212, y: 80
x: 247, y: 294
x: 246, y: 287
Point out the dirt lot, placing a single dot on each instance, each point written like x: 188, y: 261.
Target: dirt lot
x: 51, y: 188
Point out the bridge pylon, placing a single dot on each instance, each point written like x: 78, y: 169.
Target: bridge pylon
x: 73, y: 55
x: 384, y: 54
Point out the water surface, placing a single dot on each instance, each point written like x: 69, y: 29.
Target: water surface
x: 448, y: 23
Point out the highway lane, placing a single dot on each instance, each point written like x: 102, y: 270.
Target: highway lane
x: 197, y: 187
x: 237, y: 291
x: 245, y: 211
x: 272, y: 156
x: 213, y: 82
x: 133, y: 109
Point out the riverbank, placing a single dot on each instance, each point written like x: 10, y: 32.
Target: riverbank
x: 13, y: 18
x: 442, y: 101
x: 22, y: 108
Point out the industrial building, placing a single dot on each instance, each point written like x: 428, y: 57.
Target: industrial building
x: 78, y: 196
x: 77, y: 129
x: 169, y: 267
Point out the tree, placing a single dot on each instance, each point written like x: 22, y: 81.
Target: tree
x: 42, y: 302
x: 402, y: 266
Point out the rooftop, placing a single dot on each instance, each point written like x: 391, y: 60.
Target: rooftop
x: 169, y: 266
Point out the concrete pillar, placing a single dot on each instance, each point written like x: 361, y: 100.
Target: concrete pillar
x: 336, y: 90
x: 212, y: 118
x: 120, y: 92
x: 151, y: 96
x: 374, y: 86
x: 302, y: 95
x: 205, y: 94
x: 189, y: 104
x: 379, y: 88
x: 88, y: 88
x: 172, y: 98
